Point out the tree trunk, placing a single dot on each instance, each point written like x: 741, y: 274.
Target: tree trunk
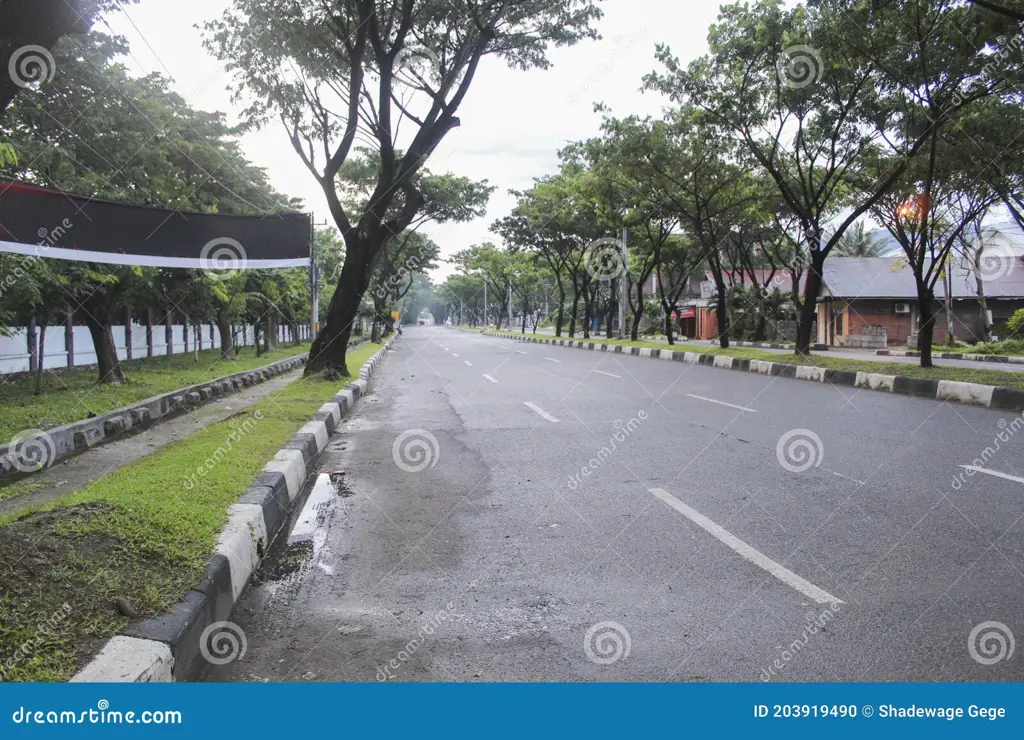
x: 810, y: 305
x: 575, y: 312
x: 227, y: 342
x: 271, y: 331
x: 761, y: 328
x: 668, y: 323
x: 634, y: 331
x: 588, y: 313
x: 722, y: 311
x: 561, y: 308
x: 331, y: 343
x: 106, y: 353
x: 613, y: 308
x: 926, y: 330
x: 41, y: 362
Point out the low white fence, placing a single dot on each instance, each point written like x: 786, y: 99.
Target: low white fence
x: 58, y: 351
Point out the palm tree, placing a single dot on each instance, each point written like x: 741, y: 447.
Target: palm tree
x: 857, y: 242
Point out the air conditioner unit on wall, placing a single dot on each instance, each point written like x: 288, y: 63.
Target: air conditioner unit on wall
x: 902, y: 308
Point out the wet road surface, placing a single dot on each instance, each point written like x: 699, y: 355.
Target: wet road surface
x: 500, y: 511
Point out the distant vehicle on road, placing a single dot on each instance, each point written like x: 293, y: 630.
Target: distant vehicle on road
x: 421, y: 323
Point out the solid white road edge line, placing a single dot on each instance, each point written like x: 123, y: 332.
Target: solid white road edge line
x: 490, y: 378
x: 721, y: 403
x: 540, y: 411
x: 754, y: 556
x: 551, y: 359
x: 610, y: 375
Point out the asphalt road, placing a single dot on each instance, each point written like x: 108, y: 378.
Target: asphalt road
x: 465, y: 542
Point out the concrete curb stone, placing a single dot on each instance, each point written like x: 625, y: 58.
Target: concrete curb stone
x: 168, y: 646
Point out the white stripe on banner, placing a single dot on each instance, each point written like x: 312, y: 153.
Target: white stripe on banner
x: 143, y: 260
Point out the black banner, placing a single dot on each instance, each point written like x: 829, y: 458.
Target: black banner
x: 48, y: 223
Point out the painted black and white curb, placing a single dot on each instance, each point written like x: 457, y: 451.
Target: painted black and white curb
x: 1005, y: 359
x: 79, y: 436
x: 169, y: 647
x: 977, y: 394
x: 753, y: 345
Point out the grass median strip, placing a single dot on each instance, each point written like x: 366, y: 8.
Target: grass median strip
x: 944, y: 372
x: 128, y: 546
x: 72, y: 394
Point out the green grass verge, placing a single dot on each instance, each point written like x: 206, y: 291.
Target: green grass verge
x: 71, y: 394
x: 970, y: 375
x: 22, y: 487
x: 139, y: 534
x: 1007, y: 347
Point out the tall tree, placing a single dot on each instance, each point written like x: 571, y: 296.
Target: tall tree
x: 895, y: 71
x: 355, y: 71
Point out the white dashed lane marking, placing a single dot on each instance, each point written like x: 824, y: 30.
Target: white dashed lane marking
x: 756, y: 557
x: 722, y: 403
x: 540, y: 411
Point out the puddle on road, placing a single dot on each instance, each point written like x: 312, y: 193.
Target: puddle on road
x: 307, y: 546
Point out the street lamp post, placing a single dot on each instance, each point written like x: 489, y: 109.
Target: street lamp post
x: 623, y: 285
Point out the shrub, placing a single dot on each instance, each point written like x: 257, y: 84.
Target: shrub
x: 1015, y: 324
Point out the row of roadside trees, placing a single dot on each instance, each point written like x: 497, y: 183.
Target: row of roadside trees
x: 797, y: 126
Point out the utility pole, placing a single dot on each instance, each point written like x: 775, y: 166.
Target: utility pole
x: 949, y: 299
x: 623, y: 285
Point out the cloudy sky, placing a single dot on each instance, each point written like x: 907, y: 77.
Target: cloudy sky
x: 513, y: 122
